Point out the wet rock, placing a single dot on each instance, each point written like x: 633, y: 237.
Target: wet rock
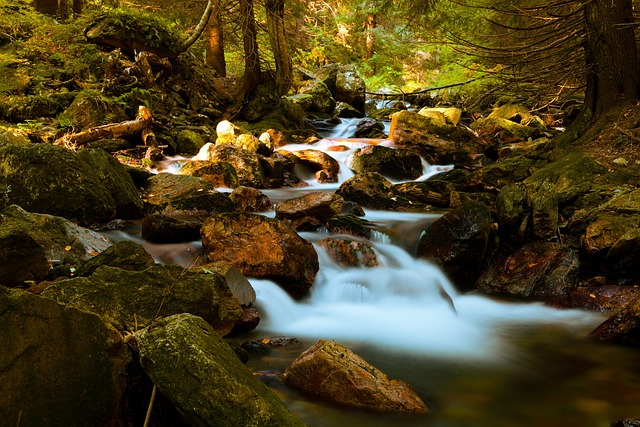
x: 605, y: 298
x: 512, y: 211
x: 238, y: 284
x: 346, y: 111
x: 372, y: 190
x: 249, y: 199
x: 451, y: 115
x: 130, y: 300
x: 350, y: 88
x: 43, y: 178
x: 624, y: 256
x: 602, y: 234
x: 325, y: 166
x: 220, y: 174
x: 31, y: 244
x: 90, y: 109
x: 498, y: 174
x: 182, y: 354
x: 246, y: 163
x: 115, y: 178
x: 430, y: 192
x: 168, y: 192
x: 459, y: 242
x: 369, y: 128
x: 317, y: 204
x: 170, y: 228
x: 189, y: 142
x: 125, y: 255
x: 322, y: 100
x: 335, y: 373
x: 544, y: 212
x: 261, y: 247
x: 351, y: 225
x: 623, y: 327
x: 60, y: 366
x: 349, y: 253
x: 537, y: 270
x: 248, y: 322
x: 395, y: 164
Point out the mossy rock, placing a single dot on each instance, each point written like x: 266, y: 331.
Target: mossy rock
x: 220, y: 174
x: 125, y: 255
x: 90, y: 109
x: 189, y: 142
x: 372, y: 190
x: 43, y: 178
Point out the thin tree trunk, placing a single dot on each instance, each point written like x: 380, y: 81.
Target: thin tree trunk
x: 215, y: 45
x: 277, y: 37
x: 199, y: 28
x: 370, y: 26
x: 252, y: 73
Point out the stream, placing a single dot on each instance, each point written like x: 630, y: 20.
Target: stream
x: 476, y: 361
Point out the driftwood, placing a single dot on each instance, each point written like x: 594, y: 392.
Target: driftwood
x: 113, y: 130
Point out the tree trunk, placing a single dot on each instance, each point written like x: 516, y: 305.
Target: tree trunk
x: 370, y: 25
x: 199, y: 28
x: 611, y: 55
x: 275, y: 28
x: 215, y: 45
x: 252, y: 74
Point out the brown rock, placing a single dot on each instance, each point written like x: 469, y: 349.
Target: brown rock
x: 238, y: 284
x: 334, y: 372
x: 220, y: 174
x: 248, y: 199
x: 349, y: 253
x: 606, y: 298
x: 319, y: 161
x: 263, y: 248
x: 623, y: 327
x: 317, y: 204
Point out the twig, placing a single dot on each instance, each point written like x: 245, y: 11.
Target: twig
x: 150, y: 408
x: 403, y: 94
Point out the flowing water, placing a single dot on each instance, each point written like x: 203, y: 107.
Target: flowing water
x: 476, y: 361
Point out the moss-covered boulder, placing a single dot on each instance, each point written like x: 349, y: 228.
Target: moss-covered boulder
x: 510, y: 122
x: 189, y: 142
x: 134, y: 299
x: 247, y: 164
x: 31, y: 244
x: 261, y: 247
x: 459, y: 242
x: 372, y: 190
x: 201, y: 375
x: 91, y: 108
x: 125, y: 255
x: 116, y: 179
x: 172, y: 227
x: 321, y: 98
x: 60, y: 366
x: 395, y: 164
x: 220, y: 174
x: 513, y: 211
x: 43, y: 178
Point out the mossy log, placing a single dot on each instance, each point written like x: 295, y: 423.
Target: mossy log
x: 113, y: 130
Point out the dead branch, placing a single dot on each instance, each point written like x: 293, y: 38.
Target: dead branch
x: 113, y: 130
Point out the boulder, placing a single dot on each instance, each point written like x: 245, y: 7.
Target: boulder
x: 325, y: 167
x: 168, y: 192
x: 372, y: 190
x: 249, y: 199
x: 349, y: 253
x: 451, y: 115
x: 317, y: 204
x: 130, y: 300
x: 351, y: 88
x: 335, y: 373
x: 30, y: 244
x: 395, y: 164
x: 346, y: 111
x: 125, y: 255
x: 219, y: 174
x: 624, y: 256
x: 44, y: 178
x: 603, y: 298
x: 60, y: 366
x: 350, y: 224
x: 261, y: 247
x: 369, y: 128
x: 246, y: 163
x: 238, y: 284
x: 189, y: 142
x: 430, y: 192
x: 115, y: 178
x: 171, y: 228
x: 510, y: 122
x: 322, y: 100
x: 537, y: 271
x: 204, y: 379
x: 623, y: 327
x: 90, y: 109
x: 544, y: 212
x: 512, y: 211
x: 459, y: 242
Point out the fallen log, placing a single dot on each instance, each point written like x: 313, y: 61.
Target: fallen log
x: 113, y: 130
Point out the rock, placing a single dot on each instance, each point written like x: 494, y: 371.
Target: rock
x: 395, y: 164
x: 91, y: 108
x: 43, y: 178
x: 510, y: 122
x: 125, y: 255
x: 115, y: 178
x: 435, y: 140
x: 626, y: 423
x: 238, y: 284
x: 261, y: 247
x: 624, y: 256
x: 317, y: 204
x: 350, y: 88
x: 130, y: 300
x: 219, y: 174
x: 189, y: 142
x: 372, y: 190
x: 249, y: 199
x: 322, y: 100
x: 346, y: 111
x: 459, y: 242
x: 168, y: 192
x: 506, y: 171
x: 168, y: 228
x: 248, y: 322
x: 537, y: 270
x: 544, y: 212
x: 30, y: 244
x: 604, y: 298
x: 351, y: 225
x: 349, y: 253
x: 602, y: 234
x: 246, y: 163
x: 512, y: 211
x: 304, y: 100
x: 369, y: 128
x: 451, y: 115
x: 202, y: 376
x: 10, y: 137
x: 430, y: 192
x: 623, y: 327
x: 60, y: 366
x: 325, y: 166
x: 335, y: 373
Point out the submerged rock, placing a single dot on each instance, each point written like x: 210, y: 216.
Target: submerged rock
x: 60, y: 366
x: 31, y: 244
x: 335, y: 373
x: 130, y: 300
x: 202, y: 376
x: 261, y: 247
